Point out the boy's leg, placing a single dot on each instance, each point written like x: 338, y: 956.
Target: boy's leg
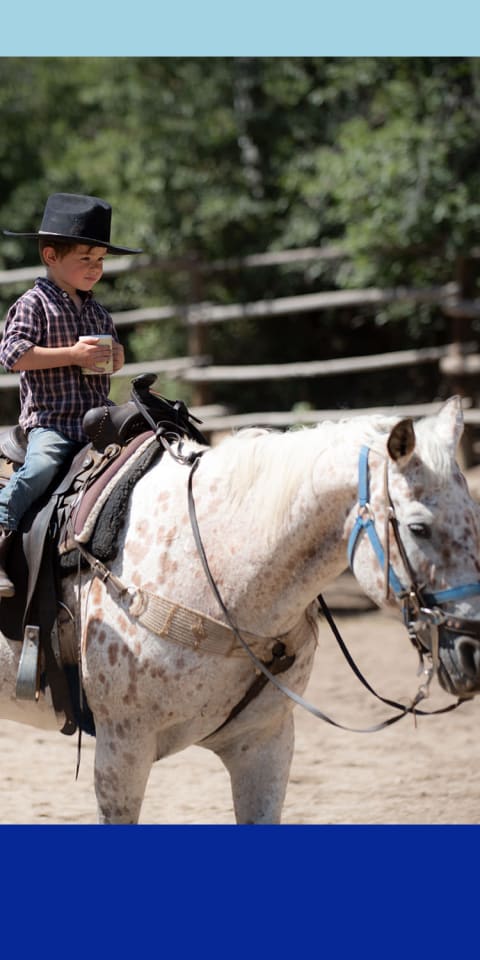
x: 46, y: 451
x: 7, y: 588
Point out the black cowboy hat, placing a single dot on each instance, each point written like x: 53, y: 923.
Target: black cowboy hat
x: 71, y: 216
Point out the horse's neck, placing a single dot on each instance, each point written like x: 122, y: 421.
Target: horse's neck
x: 311, y: 550
x: 279, y: 563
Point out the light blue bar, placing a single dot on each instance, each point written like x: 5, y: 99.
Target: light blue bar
x: 250, y: 27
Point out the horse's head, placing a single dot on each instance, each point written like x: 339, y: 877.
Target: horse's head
x: 415, y: 542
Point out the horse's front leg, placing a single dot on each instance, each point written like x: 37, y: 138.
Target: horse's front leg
x: 259, y: 762
x: 122, y: 767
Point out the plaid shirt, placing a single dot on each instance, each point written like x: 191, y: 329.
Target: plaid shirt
x: 57, y: 397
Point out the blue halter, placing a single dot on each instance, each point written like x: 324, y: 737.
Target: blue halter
x: 365, y: 524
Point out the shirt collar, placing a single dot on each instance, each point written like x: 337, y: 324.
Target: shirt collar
x: 50, y: 287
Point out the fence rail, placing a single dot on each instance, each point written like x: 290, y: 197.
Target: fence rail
x: 119, y: 265
x: 307, y: 302
x: 220, y: 422
x: 317, y: 368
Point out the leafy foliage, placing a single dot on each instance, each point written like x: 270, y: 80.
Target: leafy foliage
x: 219, y: 157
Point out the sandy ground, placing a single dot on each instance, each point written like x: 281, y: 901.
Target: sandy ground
x: 401, y: 775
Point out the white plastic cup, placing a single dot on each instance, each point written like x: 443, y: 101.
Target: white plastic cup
x: 107, y: 366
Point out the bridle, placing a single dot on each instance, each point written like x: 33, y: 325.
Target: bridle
x: 421, y: 610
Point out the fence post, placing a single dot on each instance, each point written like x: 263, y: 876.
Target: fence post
x: 459, y: 382
x: 197, y: 336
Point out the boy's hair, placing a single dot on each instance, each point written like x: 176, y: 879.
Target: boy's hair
x: 61, y: 247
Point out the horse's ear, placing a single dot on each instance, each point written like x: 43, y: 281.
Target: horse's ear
x: 449, y: 426
x: 401, y: 442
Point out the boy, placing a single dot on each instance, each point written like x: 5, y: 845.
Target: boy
x: 41, y: 340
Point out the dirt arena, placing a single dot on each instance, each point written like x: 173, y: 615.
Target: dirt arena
x: 400, y: 775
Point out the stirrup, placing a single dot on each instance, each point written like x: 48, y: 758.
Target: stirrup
x: 9, y: 591
x: 28, y: 675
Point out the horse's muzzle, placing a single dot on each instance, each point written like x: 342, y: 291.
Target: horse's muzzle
x: 459, y: 663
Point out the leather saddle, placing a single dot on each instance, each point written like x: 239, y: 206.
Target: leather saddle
x: 122, y: 441
x: 119, y: 424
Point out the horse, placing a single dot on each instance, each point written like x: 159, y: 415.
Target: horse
x: 222, y: 554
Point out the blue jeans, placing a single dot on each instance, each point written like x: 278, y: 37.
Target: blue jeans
x: 47, y: 450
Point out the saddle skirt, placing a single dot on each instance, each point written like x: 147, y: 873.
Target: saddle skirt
x: 87, y: 509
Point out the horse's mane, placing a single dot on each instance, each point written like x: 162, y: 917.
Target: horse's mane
x: 268, y: 466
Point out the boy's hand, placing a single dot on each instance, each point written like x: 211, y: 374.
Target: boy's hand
x: 90, y: 353
x: 118, y: 355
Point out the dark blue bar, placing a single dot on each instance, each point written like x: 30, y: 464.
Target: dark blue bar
x: 238, y: 891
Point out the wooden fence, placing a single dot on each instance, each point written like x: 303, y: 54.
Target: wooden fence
x: 457, y: 360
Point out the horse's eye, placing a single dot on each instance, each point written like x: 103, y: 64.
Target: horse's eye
x: 421, y: 530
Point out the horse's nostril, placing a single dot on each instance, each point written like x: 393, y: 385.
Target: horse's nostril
x: 469, y: 653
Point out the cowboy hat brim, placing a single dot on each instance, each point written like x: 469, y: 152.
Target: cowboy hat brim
x: 60, y: 236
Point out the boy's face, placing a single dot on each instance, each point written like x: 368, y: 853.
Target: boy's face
x: 79, y: 269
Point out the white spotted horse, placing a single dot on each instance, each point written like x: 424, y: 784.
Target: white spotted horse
x: 221, y: 556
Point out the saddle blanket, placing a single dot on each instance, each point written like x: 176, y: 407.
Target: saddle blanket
x: 98, y: 515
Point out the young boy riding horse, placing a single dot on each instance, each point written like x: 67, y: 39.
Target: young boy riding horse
x: 52, y: 336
